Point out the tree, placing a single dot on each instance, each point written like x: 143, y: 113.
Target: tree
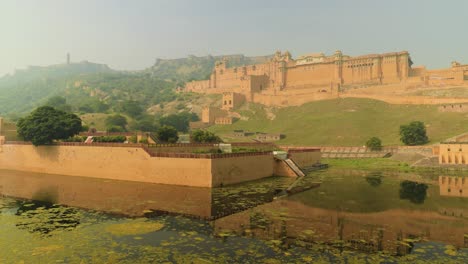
x: 167, y: 134
x: 132, y: 108
x: 202, y: 136
x: 374, y: 144
x: 59, y: 103
x: 413, y: 134
x: 147, y: 123
x: 180, y: 121
x: 46, y: 124
x: 116, y: 121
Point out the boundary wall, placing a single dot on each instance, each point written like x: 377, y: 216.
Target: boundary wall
x: 135, y: 162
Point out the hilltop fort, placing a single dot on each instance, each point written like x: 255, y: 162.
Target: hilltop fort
x: 284, y: 81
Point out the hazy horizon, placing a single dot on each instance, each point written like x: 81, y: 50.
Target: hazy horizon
x: 130, y: 35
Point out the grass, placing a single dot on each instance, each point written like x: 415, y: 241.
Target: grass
x: 346, y: 122
x: 96, y: 120
x: 368, y: 164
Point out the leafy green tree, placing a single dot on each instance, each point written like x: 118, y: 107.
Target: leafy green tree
x: 59, y: 103
x: 132, y: 108
x: 180, y: 121
x: 203, y: 136
x: 413, y: 134
x: 115, y: 129
x: 167, y: 134
x: 147, y: 124
x: 46, y: 124
x: 374, y: 144
x: 116, y: 121
x: 92, y: 105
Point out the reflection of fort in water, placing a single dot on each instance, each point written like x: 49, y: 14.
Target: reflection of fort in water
x: 126, y: 197
x: 453, y: 186
x: 289, y: 221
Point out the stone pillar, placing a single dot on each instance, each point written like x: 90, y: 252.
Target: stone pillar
x: 404, y: 66
x: 213, y: 80
x: 338, y: 76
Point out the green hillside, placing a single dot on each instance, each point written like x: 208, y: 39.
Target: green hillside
x: 197, y: 68
x: 345, y: 122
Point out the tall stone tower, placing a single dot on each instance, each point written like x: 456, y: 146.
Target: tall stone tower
x: 68, y: 58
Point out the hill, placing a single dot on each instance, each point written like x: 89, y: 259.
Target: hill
x: 344, y: 122
x: 88, y: 84
x: 197, y: 68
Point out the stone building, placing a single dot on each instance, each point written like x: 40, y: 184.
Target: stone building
x: 232, y: 100
x: 284, y: 81
x: 210, y: 114
x: 264, y: 137
x: 454, y: 151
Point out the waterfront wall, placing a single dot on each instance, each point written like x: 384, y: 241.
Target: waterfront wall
x: 243, y: 168
x: 119, y: 163
x: 135, y: 162
x: 305, y: 157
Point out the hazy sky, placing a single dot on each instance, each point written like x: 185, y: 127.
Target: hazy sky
x: 130, y: 34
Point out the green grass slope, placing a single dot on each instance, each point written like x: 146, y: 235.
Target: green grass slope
x: 347, y: 122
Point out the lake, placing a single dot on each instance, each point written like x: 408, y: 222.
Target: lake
x: 331, y: 216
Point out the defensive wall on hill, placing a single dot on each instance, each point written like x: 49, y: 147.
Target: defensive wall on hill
x: 136, y: 162
x: 284, y: 81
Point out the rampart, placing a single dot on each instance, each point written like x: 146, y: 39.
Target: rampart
x: 284, y: 81
x: 136, y: 162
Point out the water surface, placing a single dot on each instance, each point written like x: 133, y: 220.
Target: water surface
x: 352, y: 217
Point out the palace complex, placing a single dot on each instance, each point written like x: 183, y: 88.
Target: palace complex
x: 284, y: 81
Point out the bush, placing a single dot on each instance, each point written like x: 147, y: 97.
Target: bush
x: 115, y: 129
x: 116, y: 121
x: 110, y: 139
x: 413, y: 134
x: 374, y: 144
x: 132, y: 139
x: 167, y: 134
x: 46, y: 124
x: 75, y: 139
x: 144, y: 141
x: 202, y: 136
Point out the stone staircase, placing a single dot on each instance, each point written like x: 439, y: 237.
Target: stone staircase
x: 294, y: 167
x: 355, y: 152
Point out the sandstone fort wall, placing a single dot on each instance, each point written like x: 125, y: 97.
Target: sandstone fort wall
x: 133, y: 163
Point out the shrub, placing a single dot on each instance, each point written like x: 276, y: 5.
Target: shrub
x: 132, y: 139
x: 75, y: 139
x: 144, y: 141
x: 374, y: 144
x: 202, y: 136
x: 413, y: 134
x: 167, y: 134
x: 115, y: 129
x: 110, y: 139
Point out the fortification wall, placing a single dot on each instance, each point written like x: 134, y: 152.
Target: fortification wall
x: 243, y: 168
x: 305, y: 158
x: 310, y: 74
x: 119, y: 163
x: 286, y: 98
x: 132, y: 163
x: 398, y: 99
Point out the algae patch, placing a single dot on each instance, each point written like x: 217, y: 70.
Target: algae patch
x: 136, y: 227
